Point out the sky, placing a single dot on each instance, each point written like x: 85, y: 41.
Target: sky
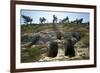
x: 35, y: 15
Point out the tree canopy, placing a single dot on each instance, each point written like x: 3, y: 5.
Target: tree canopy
x: 27, y: 19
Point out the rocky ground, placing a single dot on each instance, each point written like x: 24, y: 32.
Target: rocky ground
x: 81, y: 54
x: 43, y: 41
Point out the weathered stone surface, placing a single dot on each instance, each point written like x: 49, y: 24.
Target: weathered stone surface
x: 53, y: 49
x: 69, y: 48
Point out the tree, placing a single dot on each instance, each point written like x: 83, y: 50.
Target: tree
x: 88, y: 23
x: 65, y: 20
x: 27, y: 19
x: 42, y: 20
x: 79, y: 21
x: 55, y: 19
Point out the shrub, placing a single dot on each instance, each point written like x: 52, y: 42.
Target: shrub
x: 25, y: 38
x: 31, y: 54
x: 32, y: 39
x: 76, y: 35
x: 35, y: 38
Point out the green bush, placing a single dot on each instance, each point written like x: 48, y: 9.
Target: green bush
x: 27, y: 38
x: 31, y: 54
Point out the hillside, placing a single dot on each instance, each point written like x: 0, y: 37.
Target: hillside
x: 36, y: 39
